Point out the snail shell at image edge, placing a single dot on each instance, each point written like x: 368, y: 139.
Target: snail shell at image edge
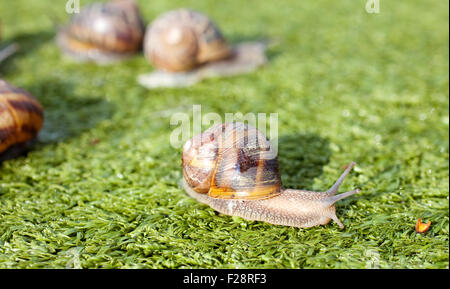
x: 183, y: 39
x: 103, y: 32
x: 231, y: 168
x: 21, y: 116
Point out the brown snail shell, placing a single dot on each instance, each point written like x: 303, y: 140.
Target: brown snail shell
x: 237, y: 170
x: 21, y: 116
x: 230, y: 168
x: 183, y: 39
x: 103, y: 32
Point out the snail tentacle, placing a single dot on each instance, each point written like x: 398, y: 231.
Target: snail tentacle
x: 336, y: 198
x: 333, y: 190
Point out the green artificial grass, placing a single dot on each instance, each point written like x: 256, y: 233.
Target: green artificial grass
x: 100, y: 189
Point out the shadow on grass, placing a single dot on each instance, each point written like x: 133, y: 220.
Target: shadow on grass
x: 27, y: 43
x: 67, y: 113
x: 302, y: 157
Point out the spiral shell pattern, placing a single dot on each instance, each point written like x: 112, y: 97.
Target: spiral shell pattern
x: 182, y: 39
x: 21, y: 116
x: 231, y: 161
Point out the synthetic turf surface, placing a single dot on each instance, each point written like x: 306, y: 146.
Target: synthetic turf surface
x: 100, y: 188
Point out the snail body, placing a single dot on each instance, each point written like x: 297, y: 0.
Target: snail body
x: 231, y: 168
x: 103, y: 32
x: 21, y: 116
x: 183, y: 39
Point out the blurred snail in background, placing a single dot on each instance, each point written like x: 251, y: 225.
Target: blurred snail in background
x: 231, y: 168
x: 21, y: 117
x: 103, y: 32
x: 185, y: 47
x: 183, y: 39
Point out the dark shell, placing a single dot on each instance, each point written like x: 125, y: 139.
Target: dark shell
x: 103, y: 31
x: 21, y: 116
x: 182, y: 39
x: 231, y: 161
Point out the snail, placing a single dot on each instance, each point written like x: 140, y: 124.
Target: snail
x: 21, y: 117
x: 103, y: 32
x: 182, y: 39
x: 231, y: 168
x: 186, y: 46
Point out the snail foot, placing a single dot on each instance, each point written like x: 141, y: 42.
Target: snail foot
x: 246, y: 58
